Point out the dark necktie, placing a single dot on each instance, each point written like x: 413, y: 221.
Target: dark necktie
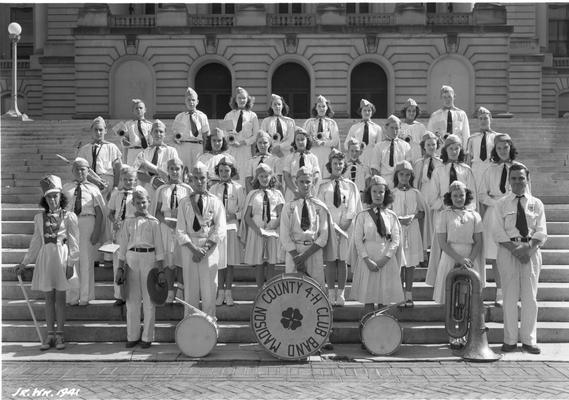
x: 193, y: 126
x: 94, y: 154
x: 196, y: 224
x: 503, y: 179
x: 301, y: 160
x: 380, y: 224
x: 337, y: 195
x: 449, y: 122
x: 391, y: 152
x: 521, y: 221
x: 279, y: 128
x: 320, y: 128
x: 452, y: 174
x: 304, y: 217
x: 239, y: 126
x: 123, y: 205
x: 155, y: 156
x: 430, y: 168
x: 174, y: 198
x: 266, y: 207
x: 365, y: 137
x: 483, y: 152
x: 143, y: 141
x: 225, y: 194
x: 77, y: 207
x: 353, y: 172
x: 261, y: 160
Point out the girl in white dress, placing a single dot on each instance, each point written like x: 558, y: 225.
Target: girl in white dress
x: 232, y: 195
x: 301, y: 157
x: 375, y: 249
x: 246, y: 125
x: 342, y: 198
x: 366, y: 131
x: 279, y: 126
x: 263, y: 156
x: 259, y: 226
x: 324, y: 131
x: 410, y: 207
x: 412, y: 131
x: 55, y: 250
x: 215, y: 149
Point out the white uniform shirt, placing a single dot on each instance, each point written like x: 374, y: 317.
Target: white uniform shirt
x: 212, y: 221
x: 249, y: 127
x: 381, y: 152
x: 330, y: 133
x: 505, y: 215
x: 90, y: 198
x: 438, y: 124
x: 141, y: 232
x: 235, y: 197
x: 106, y: 154
x: 182, y: 126
x: 165, y: 154
x: 291, y: 231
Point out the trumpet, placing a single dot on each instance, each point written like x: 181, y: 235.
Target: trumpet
x: 319, y: 136
x: 231, y: 139
x: 92, y: 176
x: 178, y: 136
x: 277, y: 137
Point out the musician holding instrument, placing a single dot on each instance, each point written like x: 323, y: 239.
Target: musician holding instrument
x: 165, y: 209
x: 216, y: 147
x: 263, y: 156
x: 152, y: 162
x: 140, y: 251
x: 55, y: 250
x: 520, y: 229
x: 201, y: 232
x: 279, y: 126
x: 412, y: 131
x: 356, y: 171
x: 449, y: 119
x: 86, y: 201
x: 135, y: 134
x: 301, y: 156
x: 191, y: 129
x: 260, y: 224
x: 367, y: 132
x: 120, y: 207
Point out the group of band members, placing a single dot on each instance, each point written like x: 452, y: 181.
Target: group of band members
x: 271, y: 192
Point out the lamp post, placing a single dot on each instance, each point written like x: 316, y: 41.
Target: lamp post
x: 14, y: 32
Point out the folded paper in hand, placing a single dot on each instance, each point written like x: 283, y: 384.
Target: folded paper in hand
x: 269, y: 233
x: 110, y: 248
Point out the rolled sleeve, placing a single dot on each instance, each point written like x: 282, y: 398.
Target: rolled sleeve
x: 322, y: 238
x: 286, y: 240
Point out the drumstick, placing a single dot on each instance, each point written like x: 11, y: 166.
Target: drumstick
x: 194, y: 309
x: 387, y: 307
x: 30, y: 308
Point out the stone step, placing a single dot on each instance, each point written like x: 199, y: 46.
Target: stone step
x: 20, y: 190
x: 246, y: 291
x: 17, y: 227
x: 424, y: 311
x: 560, y: 242
x: 240, y: 332
x: 558, y: 228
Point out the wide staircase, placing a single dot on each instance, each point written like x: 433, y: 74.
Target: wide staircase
x: 28, y: 152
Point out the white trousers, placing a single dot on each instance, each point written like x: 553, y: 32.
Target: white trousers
x: 118, y: 292
x: 519, y: 281
x: 200, y: 281
x: 139, y: 265
x: 314, y: 264
x: 85, y: 270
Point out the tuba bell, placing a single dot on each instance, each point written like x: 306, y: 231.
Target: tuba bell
x: 465, y: 314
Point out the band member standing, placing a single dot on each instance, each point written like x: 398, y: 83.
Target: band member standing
x: 342, y: 198
x: 135, y: 133
x: 367, y: 132
x: 301, y: 157
x: 140, y: 251
x: 356, y: 171
x: 86, y: 201
x: 412, y: 131
x: 279, y: 126
x: 54, y: 249
x: 520, y: 230
x: 262, y: 156
x: 246, y: 128
x: 479, y: 148
x: 304, y: 229
x: 215, y: 150
x: 263, y: 207
x: 201, y: 233
x: 191, y: 129
x: 323, y: 130
x: 449, y: 119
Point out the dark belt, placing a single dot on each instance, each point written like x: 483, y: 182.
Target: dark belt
x: 520, y: 239
x: 135, y: 147
x: 192, y: 141
x: 142, y: 249
x: 304, y: 242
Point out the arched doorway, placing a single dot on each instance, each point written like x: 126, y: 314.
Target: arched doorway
x: 368, y: 81
x: 456, y: 73
x: 213, y: 84
x: 132, y: 79
x: 292, y: 82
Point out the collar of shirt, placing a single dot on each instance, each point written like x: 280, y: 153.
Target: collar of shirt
x: 354, y: 162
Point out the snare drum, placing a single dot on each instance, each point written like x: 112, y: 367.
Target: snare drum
x: 291, y: 317
x: 196, y: 335
x: 381, y: 334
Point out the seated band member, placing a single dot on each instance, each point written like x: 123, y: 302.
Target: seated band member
x: 190, y: 129
x: 449, y: 120
x: 520, y: 230
x: 201, y: 232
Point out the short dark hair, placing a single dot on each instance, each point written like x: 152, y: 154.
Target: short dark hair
x: 309, y: 140
x: 285, y: 111
x: 208, y: 148
x: 447, y: 201
x: 373, y: 109
x: 444, y: 155
x: 404, y: 112
x: 62, y: 202
x: 234, y: 172
x: 519, y: 167
x: 396, y: 179
x: 387, y: 199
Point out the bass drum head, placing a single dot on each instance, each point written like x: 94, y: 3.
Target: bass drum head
x: 196, y: 336
x: 381, y: 334
x: 291, y: 317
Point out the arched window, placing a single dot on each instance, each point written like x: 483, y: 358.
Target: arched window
x: 131, y: 79
x: 213, y: 84
x: 368, y: 81
x: 291, y: 81
x: 563, y: 104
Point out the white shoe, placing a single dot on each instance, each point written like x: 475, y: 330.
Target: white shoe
x: 332, y: 296
x: 499, y: 298
x: 228, y: 298
x: 340, y: 300
x: 220, y: 297
x: 170, y: 298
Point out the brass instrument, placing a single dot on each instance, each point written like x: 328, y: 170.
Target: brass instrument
x: 319, y: 136
x: 465, y: 314
x: 92, y: 176
x: 276, y: 137
x: 231, y: 139
x: 178, y: 136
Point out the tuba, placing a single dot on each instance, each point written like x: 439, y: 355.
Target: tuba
x: 465, y: 314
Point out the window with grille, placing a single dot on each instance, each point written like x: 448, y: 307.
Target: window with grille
x: 559, y: 30
x: 25, y: 17
x: 357, y: 8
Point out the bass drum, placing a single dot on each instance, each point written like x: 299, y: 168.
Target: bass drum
x: 381, y: 334
x: 291, y: 317
x: 196, y: 335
